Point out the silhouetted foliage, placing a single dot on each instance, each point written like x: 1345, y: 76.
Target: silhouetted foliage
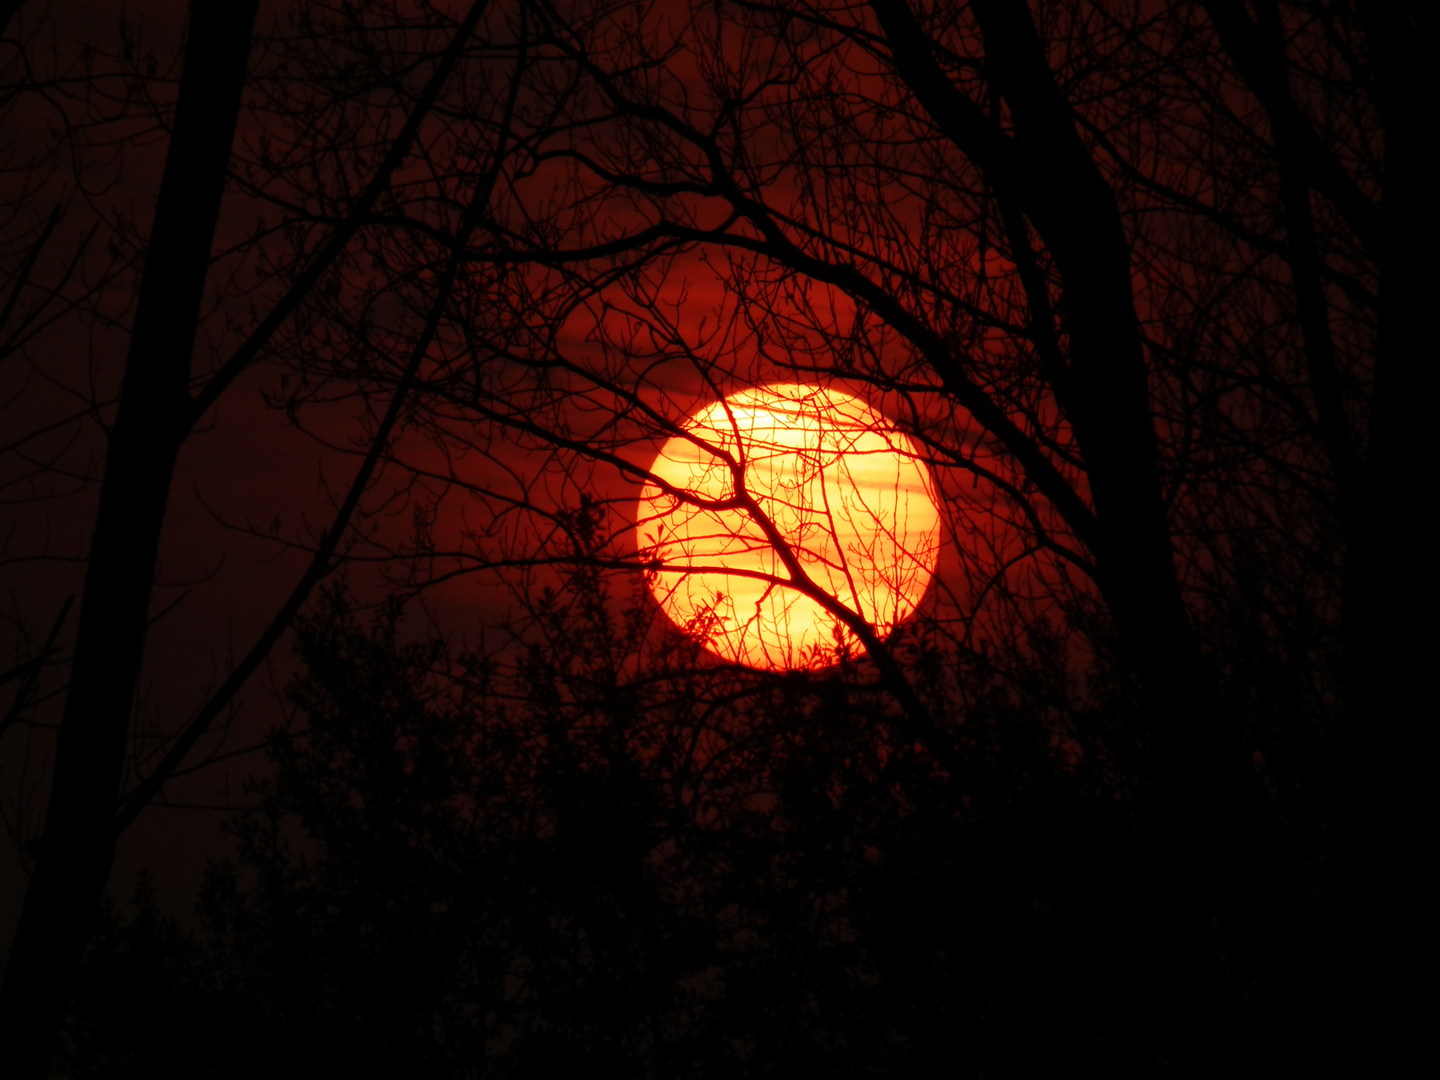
x: 1136, y: 280
x: 576, y: 864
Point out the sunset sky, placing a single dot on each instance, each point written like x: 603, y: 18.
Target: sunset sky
x: 1064, y: 348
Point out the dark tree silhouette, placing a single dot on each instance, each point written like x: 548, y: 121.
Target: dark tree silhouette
x: 550, y: 858
x: 896, y: 158
x: 77, y: 846
x: 156, y: 412
x: 1138, y: 283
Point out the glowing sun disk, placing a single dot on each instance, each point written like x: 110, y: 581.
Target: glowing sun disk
x: 844, y: 490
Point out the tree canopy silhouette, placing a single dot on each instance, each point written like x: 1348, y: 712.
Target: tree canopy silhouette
x: 1136, y: 283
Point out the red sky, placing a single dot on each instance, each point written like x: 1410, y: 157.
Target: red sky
x: 251, y: 467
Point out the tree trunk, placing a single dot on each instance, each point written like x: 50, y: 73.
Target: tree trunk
x: 1380, y: 768
x: 1048, y: 173
x: 1371, y: 807
x: 1205, y: 793
x: 77, y: 846
x: 1385, y: 655
x: 1211, y: 807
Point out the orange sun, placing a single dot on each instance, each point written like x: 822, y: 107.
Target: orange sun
x: 834, y: 481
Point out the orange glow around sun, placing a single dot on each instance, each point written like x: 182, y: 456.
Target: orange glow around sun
x: 843, y: 488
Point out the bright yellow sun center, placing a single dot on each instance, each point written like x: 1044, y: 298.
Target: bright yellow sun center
x: 841, y: 488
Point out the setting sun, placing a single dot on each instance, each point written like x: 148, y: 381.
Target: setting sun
x: 832, y: 479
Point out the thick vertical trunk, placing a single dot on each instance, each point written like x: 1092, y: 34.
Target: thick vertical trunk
x: 77, y: 845
x: 1046, y: 171
x: 1204, y: 787
x: 1380, y: 765
x: 1384, y: 590
x: 1371, y: 807
x: 1210, y: 807
x: 1076, y: 215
